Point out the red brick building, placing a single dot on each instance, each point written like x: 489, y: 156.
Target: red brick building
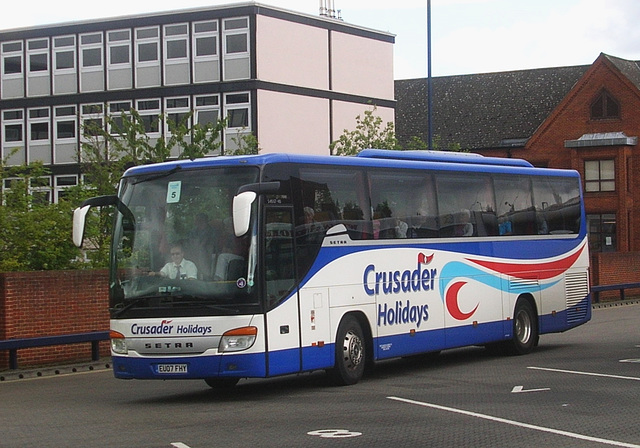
x: 584, y: 118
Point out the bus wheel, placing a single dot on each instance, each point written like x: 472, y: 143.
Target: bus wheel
x: 525, y: 329
x: 221, y: 383
x: 350, y: 353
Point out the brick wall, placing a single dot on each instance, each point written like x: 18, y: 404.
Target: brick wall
x: 610, y: 268
x: 51, y: 303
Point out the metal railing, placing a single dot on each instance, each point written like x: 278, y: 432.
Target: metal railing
x: 596, y: 290
x: 13, y: 345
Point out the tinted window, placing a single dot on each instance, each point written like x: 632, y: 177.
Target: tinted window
x: 557, y: 203
x: 464, y: 200
x: 403, y: 205
x: 514, y: 202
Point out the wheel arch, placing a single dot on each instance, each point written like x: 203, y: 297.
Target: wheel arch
x: 527, y: 296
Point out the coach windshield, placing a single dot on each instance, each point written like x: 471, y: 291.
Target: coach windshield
x: 180, y: 256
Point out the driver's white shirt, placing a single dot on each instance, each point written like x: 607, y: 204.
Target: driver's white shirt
x: 188, y: 270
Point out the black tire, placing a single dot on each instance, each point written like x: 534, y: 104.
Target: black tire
x: 350, y: 353
x: 525, y: 329
x: 221, y: 383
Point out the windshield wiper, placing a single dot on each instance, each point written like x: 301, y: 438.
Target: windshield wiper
x: 132, y: 302
x: 158, y: 176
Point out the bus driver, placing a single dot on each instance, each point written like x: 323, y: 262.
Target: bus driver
x: 178, y: 267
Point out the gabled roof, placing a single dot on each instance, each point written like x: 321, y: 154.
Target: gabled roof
x: 486, y: 110
x: 629, y: 69
x: 625, y: 71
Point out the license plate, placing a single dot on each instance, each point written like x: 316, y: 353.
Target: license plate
x: 172, y: 368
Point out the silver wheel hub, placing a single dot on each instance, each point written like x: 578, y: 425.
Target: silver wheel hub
x: 523, y: 327
x: 352, y: 350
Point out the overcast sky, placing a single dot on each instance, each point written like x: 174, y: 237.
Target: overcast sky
x: 468, y: 36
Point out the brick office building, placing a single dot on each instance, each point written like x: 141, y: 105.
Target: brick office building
x: 583, y: 117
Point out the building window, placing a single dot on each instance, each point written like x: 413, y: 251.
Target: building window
x: 605, y: 107
x: 65, y: 122
x: 12, y: 58
x: 38, y: 55
x: 147, y: 43
x: 206, y: 59
x: 177, y: 111
x: 64, y: 53
x: 119, y: 47
x: 63, y: 183
x: 40, y: 189
x: 205, y: 37
x: 118, y: 112
x: 207, y: 109
x: 237, y: 106
x: 176, y: 38
x: 236, y: 36
x: 599, y: 175
x: 13, y: 126
x: 602, y: 232
x: 39, y: 125
x: 91, y: 50
x: 91, y: 117
x: 149, y: 111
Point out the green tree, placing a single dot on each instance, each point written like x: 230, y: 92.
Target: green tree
x: 369, y: 133
x: 35, y: 233
x: 245, y: 144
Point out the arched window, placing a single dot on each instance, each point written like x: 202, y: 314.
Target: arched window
x: 604, y: 107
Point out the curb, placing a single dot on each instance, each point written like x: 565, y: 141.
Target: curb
x: 48, y: 371
x: 615, y: 304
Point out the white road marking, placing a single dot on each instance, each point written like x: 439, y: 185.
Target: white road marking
x: 516, y: 423
x: 576, y: 372
x: 521, y: 389
x: 179, y: 445
x: 334, y: 433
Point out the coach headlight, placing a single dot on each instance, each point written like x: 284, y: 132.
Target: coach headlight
x: 238, y: 339
x: 118, y: 343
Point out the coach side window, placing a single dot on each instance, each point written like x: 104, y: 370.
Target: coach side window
x: 514, y: 201
x: 557, y: 203
x: 400, y: 204
x: 465, y: 204
x: 335, y: 196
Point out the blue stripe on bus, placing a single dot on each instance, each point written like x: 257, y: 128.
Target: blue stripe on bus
x: 282, y: 362
x: 440, y: 339
x: 509, y: 250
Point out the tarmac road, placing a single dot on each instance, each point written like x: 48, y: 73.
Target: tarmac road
x: 577, y: 389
